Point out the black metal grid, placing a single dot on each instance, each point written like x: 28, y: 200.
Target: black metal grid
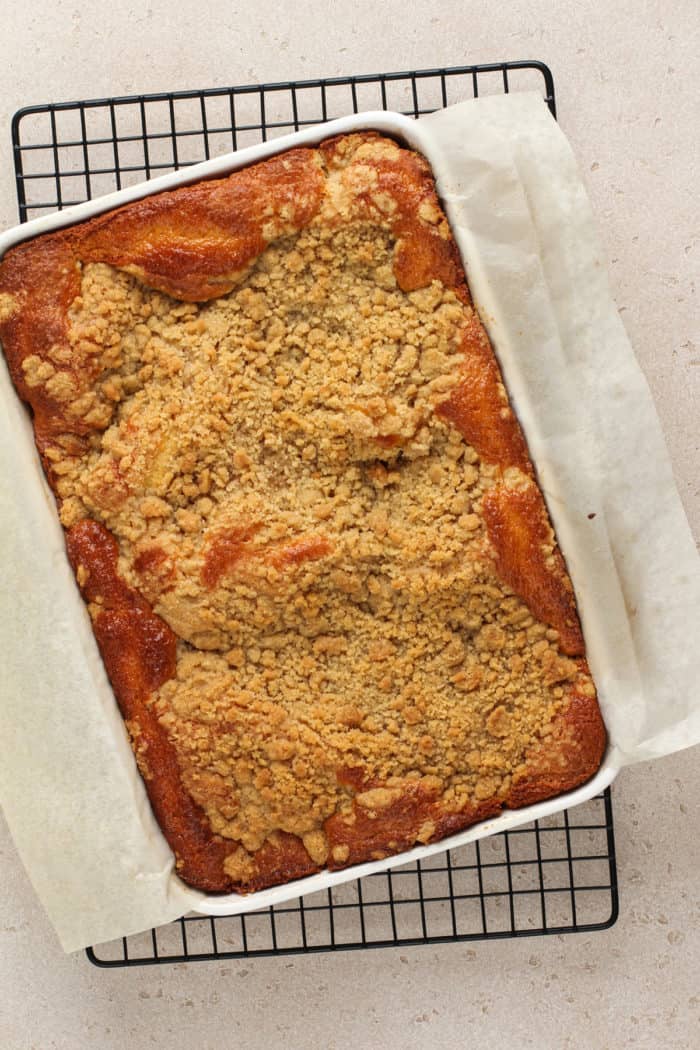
x: 69, y: 152
x: 554, y: 876
x: 557, y: 875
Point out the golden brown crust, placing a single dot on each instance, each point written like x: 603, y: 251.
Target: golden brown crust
x: 402, y: 185
x: 193, y: 244
x: 478, y: 405
x: 384, y: 821
x: 138, y: 650
x: 321, y: 575
x: 571, y: 755
x: 517, y: 526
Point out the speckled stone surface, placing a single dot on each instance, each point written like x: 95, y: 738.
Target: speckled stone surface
x: 628, y: 102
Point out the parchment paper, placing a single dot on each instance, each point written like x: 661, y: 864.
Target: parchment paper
x: 525, y: 228
x: 69, y: 786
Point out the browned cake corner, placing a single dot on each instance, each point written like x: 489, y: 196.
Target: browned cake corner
x: 302, y: 514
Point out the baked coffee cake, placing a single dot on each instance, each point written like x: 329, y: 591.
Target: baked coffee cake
x: 302, y: 514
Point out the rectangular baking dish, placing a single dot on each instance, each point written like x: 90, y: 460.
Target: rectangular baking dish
x: 414, y: 136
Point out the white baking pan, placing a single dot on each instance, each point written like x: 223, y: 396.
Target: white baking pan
x: 412, y: 134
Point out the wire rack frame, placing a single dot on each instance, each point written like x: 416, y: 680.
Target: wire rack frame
x: 68, y: 152
x: 554, y: 876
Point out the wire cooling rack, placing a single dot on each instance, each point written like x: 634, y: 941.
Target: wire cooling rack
x: 69, y: 152
x: 556, y: 875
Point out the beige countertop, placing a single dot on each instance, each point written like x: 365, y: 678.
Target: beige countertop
x: 626, y: 76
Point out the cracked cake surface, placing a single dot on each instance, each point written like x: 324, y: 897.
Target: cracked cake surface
x: 302, y: 514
